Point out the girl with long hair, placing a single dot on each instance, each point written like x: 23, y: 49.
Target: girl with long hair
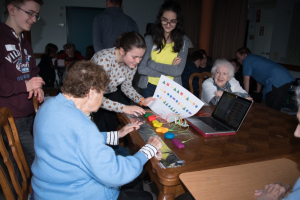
x: 167, y: 49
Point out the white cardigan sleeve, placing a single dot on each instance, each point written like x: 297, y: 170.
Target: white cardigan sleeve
x: 208, y: 90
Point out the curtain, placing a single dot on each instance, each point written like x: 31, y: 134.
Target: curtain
x: 229, y: 28
x: 191, y: 11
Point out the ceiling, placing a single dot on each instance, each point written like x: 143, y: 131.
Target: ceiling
x: 266, y: 4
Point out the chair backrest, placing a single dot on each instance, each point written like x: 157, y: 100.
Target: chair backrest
x: 7, y: 124
x: 202, y: 76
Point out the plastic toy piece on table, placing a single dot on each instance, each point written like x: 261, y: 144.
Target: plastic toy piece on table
x: 151, y: 118
x: 147, y: 114
x: 156, y: 123
x: 162, y: 130
x: 182, y: 123
x: 169, y: 135
x: 178, y: 143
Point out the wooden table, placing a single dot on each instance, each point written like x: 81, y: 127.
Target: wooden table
x: 240, y: 181
x: 265, y: 134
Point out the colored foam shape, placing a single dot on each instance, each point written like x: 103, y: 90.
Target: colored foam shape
x: 147, y: 114
x: 156, y: 123
x: 162, y: 130
x: 151, y: 118
x: 169, y: 135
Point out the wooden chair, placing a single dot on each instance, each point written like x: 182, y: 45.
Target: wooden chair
x: 36, y: 104
x: 8, y: 124
x: 202, y: 76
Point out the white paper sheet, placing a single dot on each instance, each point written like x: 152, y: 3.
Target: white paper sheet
x: 172, y: 98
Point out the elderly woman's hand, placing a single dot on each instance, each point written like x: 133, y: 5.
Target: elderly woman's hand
x: 249, y: 98
x: 128, y: 128
x: 133, y: 110
x: 155, y: 141
x: 218, y: 93
x: 272, y: 191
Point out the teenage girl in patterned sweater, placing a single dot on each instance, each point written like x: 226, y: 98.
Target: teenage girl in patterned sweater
x: 120, y: 63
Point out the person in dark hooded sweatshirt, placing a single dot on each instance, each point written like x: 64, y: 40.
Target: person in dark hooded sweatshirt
x: 18, y: 70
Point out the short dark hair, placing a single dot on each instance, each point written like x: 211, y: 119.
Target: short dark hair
x: 116, y: 2
x: 68, y: 46
x: 234, y: 60
x: 20, y: 2
x: 243, y: 50
x: 198, y: 55
x: 50, y: 48
x: 129, y: 40
x: 82, y: 76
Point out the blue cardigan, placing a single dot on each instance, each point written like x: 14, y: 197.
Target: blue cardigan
x: 72, y: 160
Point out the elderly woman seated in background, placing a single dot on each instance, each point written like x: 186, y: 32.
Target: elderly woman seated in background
x: 222, y: 80
x: 72, y: 159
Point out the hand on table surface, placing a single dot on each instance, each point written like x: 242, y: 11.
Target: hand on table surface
x: 274, y: 191
x: 133, y: 110
x: 128, y: 128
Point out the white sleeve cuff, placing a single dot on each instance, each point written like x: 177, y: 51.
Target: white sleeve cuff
x: 149, y: 150
x: 112, y: 138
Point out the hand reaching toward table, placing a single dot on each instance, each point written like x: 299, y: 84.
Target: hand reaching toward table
x: 128, y: 128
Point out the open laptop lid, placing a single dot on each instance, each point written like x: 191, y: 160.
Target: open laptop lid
x: 231, y: 110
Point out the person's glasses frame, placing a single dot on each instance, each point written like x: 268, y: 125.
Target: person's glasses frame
x: 37, y: 17
x: 164, y: 21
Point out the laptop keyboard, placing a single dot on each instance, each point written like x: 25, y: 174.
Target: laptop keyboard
x: 214, y: 124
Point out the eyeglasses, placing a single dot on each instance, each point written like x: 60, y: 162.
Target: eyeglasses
x: 37, y: 17
x: 164, y: 21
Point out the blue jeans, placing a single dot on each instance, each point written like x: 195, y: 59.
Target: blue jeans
x: 24, y: 127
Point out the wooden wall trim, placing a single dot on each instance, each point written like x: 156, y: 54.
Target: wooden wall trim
x: 37, y: 55
x: 291, y: 67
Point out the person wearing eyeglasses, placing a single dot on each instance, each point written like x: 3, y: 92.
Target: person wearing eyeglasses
x: 19, y: 79
x: 167, y: 49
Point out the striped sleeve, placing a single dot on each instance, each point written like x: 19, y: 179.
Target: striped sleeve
x: 112, y: 138
x: 149, y: 150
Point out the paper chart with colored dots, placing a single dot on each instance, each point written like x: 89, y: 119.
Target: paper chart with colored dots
x: 173, y: 98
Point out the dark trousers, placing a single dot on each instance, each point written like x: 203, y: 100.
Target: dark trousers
x: 109, y: 117
x: 275, y: 98
x: 134, y: 190
x: 110, y: 120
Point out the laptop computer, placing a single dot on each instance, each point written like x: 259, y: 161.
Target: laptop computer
x: 226, y: 119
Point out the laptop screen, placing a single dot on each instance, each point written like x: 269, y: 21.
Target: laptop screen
x: 231, y: 110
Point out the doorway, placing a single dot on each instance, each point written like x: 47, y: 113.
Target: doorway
x: 80, y: 26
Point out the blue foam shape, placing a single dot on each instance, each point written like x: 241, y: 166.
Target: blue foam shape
x: 169, y: 135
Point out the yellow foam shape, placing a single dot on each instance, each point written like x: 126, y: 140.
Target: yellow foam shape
x: 156, y: 124
x: 162, y: 130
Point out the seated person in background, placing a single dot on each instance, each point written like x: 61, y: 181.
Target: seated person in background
x: 277, y: 190
x: 196, y: 64
x: 72, y: 159
x: 238, y: 71
x: 222, y: 80
x: 204, y: 67
x: 89, y: 52
x: 47, y: 71
x: 69, y: 55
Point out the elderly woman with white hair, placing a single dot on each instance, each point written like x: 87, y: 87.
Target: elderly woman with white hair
x: 222, y: 80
